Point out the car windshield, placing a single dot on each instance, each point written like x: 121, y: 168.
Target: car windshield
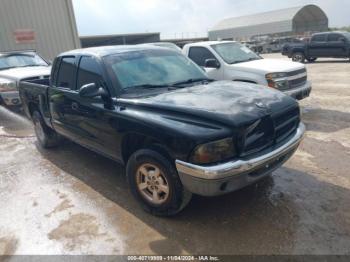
x: 235, y: 53
x: 347, y: 35
x: 153, y: 68
x: 8, y: 61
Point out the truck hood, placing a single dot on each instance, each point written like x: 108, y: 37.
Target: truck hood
x: 230, y: 103
x: 265, y: 66
x: 17, y: 74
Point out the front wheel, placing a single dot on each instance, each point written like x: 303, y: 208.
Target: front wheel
x: 298, y: 57
x: 154, y: 182
x: 46, y: 136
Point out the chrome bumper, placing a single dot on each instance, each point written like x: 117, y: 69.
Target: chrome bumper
x: 300, y: 92
x: 230, y: 176
x: 11, y: 98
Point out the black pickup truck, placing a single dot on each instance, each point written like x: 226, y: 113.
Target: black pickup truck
x: 329, y: 44
x: 155, y: 111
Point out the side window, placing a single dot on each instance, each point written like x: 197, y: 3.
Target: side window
x: 334, y: 37
x: 318, y: 38
x: 89, y: 72
x: 66, y: 74
x: 54, y: 71
x: 199, y: 55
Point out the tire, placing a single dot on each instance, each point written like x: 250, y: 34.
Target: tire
x: 154, y: 182
x: 311, y: 59
x: 298, y: 57
x: 46, y: 136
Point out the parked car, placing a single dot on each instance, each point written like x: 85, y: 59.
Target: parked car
x: 157, y: 112
x: 16, y: 66
x: 229, y: 60
x: 276, y: 44
x: 329, y: 44
x: 166, y: 45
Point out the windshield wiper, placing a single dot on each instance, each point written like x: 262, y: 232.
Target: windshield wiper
x: 146, y: 86
x: 191, y: 80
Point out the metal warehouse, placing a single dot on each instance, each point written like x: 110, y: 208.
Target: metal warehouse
x: 296, y: 20
x: 47, y: 26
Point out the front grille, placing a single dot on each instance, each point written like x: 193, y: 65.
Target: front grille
x: 268, y: 131
x: 299, y: 81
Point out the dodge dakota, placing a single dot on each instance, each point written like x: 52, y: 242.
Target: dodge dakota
x: 155, y: 111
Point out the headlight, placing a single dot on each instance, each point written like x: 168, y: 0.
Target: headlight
x: 277, y: 80
x: 7, y: 85
x: 214, y: 152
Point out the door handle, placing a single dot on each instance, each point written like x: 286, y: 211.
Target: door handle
x: 75, y: 106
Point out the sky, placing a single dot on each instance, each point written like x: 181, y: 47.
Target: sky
x: 183, y: 18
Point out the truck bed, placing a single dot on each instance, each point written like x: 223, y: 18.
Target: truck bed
x: 33, y: 94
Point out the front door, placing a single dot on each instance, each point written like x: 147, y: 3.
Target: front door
x: 318, y: 46
x: 337, y: 45
x: 199, y: 54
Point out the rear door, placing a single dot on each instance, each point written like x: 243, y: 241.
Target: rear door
x: 318, y: 47
x: 62, y: 94
x: 337, y: 45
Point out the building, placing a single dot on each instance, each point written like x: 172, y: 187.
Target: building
x: 124, y: 39
x: 47, y: 26
x: 290, y: 21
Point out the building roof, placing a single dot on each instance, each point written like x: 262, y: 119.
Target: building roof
x: 304, y: 13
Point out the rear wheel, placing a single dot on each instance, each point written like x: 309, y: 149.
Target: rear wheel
x: 155, y: 183
x: 298, y: 57
x: 311, y: 59
x: 46, y: 136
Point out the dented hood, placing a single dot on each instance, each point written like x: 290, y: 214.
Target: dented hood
x: 227, y: 102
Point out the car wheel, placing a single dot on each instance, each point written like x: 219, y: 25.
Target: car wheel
x: 311, y: 59
x: 154, y: 182
x: 46, y: 136
x: 298, y: 57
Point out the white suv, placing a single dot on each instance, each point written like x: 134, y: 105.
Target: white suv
x: 229, y: 60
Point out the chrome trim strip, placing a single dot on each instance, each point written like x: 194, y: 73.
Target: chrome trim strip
x: 238, y: 166
x: 289, y: 78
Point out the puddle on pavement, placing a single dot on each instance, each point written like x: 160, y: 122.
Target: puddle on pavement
x: 14, y: 124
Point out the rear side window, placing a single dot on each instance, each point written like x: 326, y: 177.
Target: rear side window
x: 200, y: 54
x: 66, y: 74
x: 318, y: 38
x: 335, y: 37
x: 89, y: 72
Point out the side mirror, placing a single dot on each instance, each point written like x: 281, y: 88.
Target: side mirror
x: 92, y: 90
x: 342, y: 39
x: 212, y: 63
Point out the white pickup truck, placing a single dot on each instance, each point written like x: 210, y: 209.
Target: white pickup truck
x: 17, y: 66
x: 229, y: 60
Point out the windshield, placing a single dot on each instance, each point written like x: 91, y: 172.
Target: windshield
x: 347, y: 35
x: 8, y: 61
x: 235, y: 53
x: 152, y: 68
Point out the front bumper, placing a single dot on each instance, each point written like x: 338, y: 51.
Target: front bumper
x: 300, y: 92
x: 11, y: 98
x: 233, y: 175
